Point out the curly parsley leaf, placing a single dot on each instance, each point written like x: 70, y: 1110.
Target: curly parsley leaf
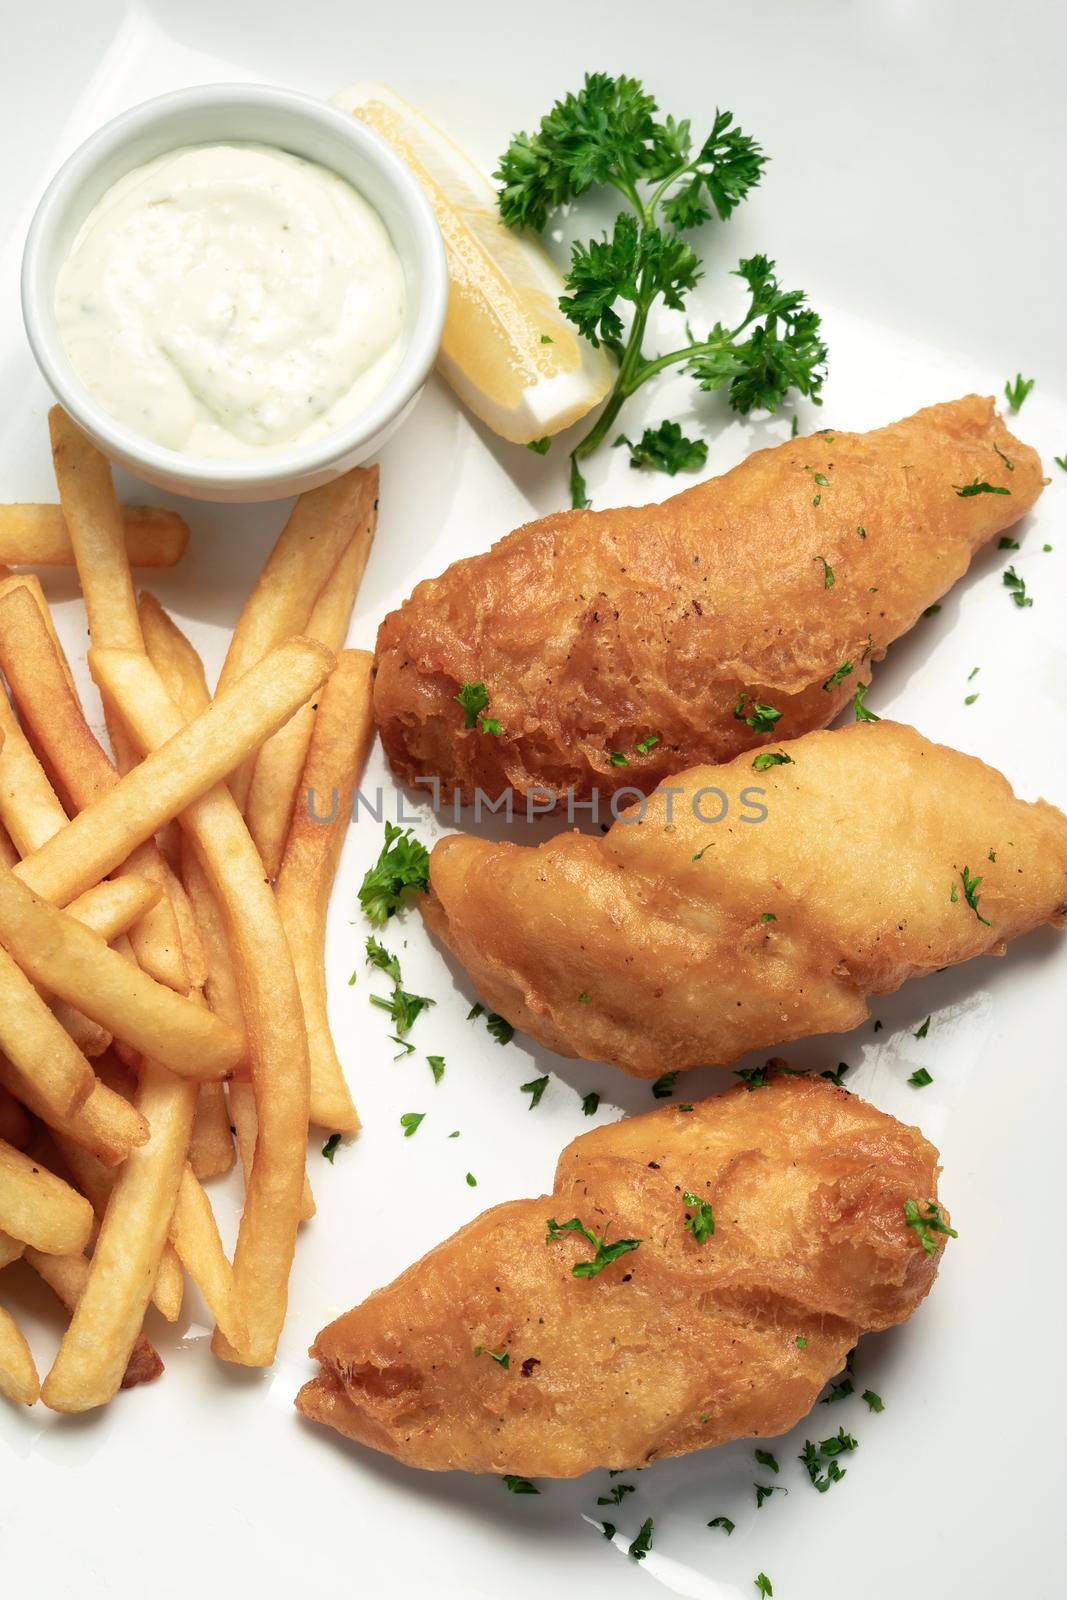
x: 403, y: 864
x: 666, y: 449
x: 410, y: 1122
x: 378, y: 956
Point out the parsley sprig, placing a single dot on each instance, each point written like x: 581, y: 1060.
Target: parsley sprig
x: 609, y: 134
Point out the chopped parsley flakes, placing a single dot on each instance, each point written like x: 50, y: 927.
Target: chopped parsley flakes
x: 410, y: 1122
x: 701, y: 1224
x: 926, y: 1223
x: 663, y: 1087
x: 978, y: 486
x: 771, y: 758
x: 535, y: 1089
x: 501, y: 1357
x: 1017, y: 586
x: 827, y: 569
x: 643, y: 1543
x: 1016, y: 392
x: 971, y: 895
x: 838, y: 676
x: 329, y: 1149
x: 761, y: 719
x: 517, y: 1485
x: 860, y: 707
x: 920, y: 1078
x: 605, y: 1253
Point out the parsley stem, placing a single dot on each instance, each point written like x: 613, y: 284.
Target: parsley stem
x: 624, y: 386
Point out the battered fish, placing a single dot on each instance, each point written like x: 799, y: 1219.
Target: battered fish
x: 691, y: 1338
x: 594, y: 631
x: 865, y: 857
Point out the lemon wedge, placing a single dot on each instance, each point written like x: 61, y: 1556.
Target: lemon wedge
x: 507, y: 351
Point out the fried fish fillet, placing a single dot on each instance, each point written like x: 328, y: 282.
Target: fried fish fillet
x: 867, y: 856
x: 691, y: 1338
x: 592, y: 631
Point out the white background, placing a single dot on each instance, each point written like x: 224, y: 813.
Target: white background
x: 916, y: 192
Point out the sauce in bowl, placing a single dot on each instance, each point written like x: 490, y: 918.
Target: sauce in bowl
x: 232, y: 300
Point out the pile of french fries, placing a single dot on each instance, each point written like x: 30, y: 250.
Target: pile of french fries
x: 162, y: 924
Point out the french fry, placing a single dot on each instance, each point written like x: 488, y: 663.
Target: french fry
x: 195, y: 1237
x: 342, y: 736
x: 276, y: 774
x: 270, y: 1002
x: 36, y: 536
x: 70, y: 960
x: 39, y: 1047
x: 33, y: 587
x: 178, y: 772
x: 94, y: 523
x: 57, y: 725
x: 29, y: 807
x: 106, y: 1125
x: 96, y: 1182
x: 39, y: 1208
x: 319, y: 530
x: 18, y: 1375
x: 175, y: 775
x: 10, y: 1249
x: 112, y: 906
x: 96, y: 1348
x: 242, y: 1103
x: 8, y: 854
x: 14, y: 1123
x: 174, y: 657
x: 66, y: 1276
x: 211, y: 1144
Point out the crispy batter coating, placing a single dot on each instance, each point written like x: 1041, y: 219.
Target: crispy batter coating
x: 674, y: 941
x: 593, y: 630
x: 672, y: 1347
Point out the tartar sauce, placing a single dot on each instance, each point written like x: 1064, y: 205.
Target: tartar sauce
x: 232, y: 300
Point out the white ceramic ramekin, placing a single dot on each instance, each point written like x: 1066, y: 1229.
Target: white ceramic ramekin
x: 305, y: 127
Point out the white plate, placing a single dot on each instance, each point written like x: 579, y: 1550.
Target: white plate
x: 916, y: 151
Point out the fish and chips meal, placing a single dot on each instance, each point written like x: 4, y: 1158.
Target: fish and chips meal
x: 696, y: 1274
